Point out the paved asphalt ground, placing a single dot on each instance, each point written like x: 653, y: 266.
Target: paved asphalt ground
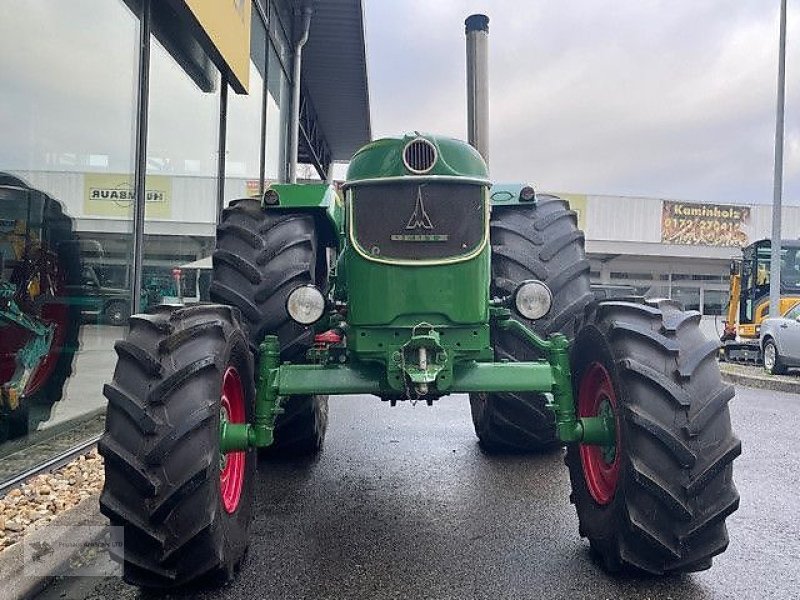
x: 403, y: 504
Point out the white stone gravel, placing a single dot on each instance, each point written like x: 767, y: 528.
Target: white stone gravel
x: 38, y: 501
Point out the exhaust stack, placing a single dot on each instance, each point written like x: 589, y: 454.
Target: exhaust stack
x: 477, y: 32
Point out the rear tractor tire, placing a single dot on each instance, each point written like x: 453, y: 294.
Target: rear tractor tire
x: 656, y: 501
x: 541, y: 242
x: 261, y: 256
x: 183, y: 507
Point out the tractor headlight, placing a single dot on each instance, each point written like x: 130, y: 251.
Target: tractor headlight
x: 533, y: 299
x: 305, y: 304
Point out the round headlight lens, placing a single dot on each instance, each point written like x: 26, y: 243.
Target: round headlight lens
x: 305, y: 304
x: 271, y: 198
x: 533, y: 299
x: 527, y: 194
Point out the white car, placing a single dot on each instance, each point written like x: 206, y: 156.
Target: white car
x: 780, y: 341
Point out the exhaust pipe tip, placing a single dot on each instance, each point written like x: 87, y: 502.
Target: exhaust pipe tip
x: 477, y: 34
x: 476, y: 22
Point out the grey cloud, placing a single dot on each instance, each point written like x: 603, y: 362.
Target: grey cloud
x: 639, y: 97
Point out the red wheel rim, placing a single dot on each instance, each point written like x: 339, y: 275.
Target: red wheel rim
x: 231, y: 475
x: 601, y: 465
x: 58, y: 315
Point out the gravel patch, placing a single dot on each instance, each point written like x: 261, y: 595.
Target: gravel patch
x: 45, y: 496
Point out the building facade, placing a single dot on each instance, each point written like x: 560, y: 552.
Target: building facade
x: 187, y: 100
x: 671, y: 248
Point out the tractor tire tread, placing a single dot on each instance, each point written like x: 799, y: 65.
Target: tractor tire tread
x: 541, y: 241
x: 261, y: 256
x: 678, y: 441
x: 162, y: 484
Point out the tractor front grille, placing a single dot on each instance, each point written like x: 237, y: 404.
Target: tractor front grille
x: 418, y: 221
x: 419, y: 156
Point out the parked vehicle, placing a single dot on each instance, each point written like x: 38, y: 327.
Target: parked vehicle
x: 110, y: 305
x: 429, y: 294
x: 779, y: 340
x: 749, y: 297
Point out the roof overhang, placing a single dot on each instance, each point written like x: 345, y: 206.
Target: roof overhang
x: 335, y: 75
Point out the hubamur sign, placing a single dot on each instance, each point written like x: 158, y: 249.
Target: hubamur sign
x: 112, y: 195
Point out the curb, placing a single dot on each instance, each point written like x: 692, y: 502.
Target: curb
x: 63, y: 537
x: 764, y: 383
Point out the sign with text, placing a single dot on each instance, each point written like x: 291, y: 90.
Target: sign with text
x: 694, y: 224
x: 111, y: 195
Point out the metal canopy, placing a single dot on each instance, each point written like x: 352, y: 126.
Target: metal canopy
x: 335, y: 75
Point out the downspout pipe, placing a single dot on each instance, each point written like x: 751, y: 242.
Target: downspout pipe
x: 477, y: 32
x: 294, y: 145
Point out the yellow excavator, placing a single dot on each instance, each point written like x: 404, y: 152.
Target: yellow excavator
x: 749, y: 296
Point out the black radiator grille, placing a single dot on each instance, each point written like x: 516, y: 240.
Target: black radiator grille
x: 419, y: 221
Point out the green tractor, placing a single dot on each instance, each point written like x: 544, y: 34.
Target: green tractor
x: 420, y: 279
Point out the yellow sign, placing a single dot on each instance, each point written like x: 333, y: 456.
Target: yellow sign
x: 577, y: 202
x: 227, y: 25
x: 704, y: 224
x: 111, y: 195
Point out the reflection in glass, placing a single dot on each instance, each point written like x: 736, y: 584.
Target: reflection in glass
x: 181, y: 207
x: 242, y: 168
x: 278, y: 105
x: 66, y: 156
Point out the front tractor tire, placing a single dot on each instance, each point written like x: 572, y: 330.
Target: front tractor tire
x: 261, y: 256
x: 656, y: 501
x: 541, y: 242
x: 184, y: 508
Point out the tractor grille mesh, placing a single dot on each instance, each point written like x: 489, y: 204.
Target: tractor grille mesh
x: 419, y: 221
x: 419, y: 156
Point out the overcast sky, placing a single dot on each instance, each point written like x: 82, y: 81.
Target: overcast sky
x: 672, y: 98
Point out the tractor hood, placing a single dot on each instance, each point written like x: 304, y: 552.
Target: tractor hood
x: 417, y: 155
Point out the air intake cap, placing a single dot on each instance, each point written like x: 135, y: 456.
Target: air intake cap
x: 419, y: 156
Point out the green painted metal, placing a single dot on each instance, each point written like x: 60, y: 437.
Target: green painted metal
x: 552, y: 376
x: 319, y: 198
x: 384, y: 158
x: 302, y: 195
x: 599, y: 430
x: 395, y: 295
x: 259, y: 434
x: 413, y: 330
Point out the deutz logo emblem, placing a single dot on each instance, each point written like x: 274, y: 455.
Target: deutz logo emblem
x: 419, y: 218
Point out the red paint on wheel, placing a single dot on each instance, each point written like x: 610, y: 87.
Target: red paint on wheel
x: 231, y: 477
x: 601, y: 476
x: 57, y: 315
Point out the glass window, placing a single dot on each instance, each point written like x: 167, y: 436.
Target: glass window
x: 688, y: 296
x: 715, y: 302
x: 245, y: 116
x: 66, y: 163
x: 278, y: 106
x: 243, y: 143
x: 181, y: 207
x: 793, y: 313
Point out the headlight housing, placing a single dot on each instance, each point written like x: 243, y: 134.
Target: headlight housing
x: 533, y: 299
x: 305, y: 304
